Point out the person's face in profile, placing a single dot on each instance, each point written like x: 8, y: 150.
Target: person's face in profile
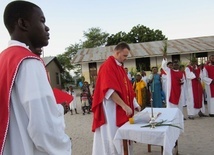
x: 170, y: 65
x: 37, y: 30
x: 212, y: 59
x: 126, y: 70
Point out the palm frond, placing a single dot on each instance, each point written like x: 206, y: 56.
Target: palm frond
x: 162, y: 123
x: 164, y: 50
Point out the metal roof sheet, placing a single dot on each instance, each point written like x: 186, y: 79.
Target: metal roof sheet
x: 148, y: 49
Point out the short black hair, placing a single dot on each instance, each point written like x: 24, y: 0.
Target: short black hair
x: 175, y: 61
x: 154, y: 67
x: 16, y: 10
x: 168, y: 63
x: 121, y: 46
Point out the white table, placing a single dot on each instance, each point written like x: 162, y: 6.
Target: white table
x: 165, y: 136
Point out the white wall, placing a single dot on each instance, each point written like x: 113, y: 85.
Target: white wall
x: 85, y: 72
x: 130, y: 63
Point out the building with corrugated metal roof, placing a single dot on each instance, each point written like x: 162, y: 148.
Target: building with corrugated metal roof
x: 146, y: 55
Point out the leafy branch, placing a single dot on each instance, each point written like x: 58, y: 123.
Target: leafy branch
x: 162, y: 123
x: 164, y: 50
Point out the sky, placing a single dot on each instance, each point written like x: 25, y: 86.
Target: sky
x: 68, y: 19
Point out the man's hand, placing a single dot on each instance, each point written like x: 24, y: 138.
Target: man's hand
x: 66, y: 107
x: 138, y: 109
x: 127, y: 109
x: 164, y: 56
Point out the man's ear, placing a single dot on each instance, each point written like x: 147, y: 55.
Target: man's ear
x: 23, y: 24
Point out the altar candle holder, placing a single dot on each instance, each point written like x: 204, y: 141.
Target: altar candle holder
x: 152, y: 121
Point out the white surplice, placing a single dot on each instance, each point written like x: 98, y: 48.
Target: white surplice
x: 164, y: 83
x: 210, y: 100
x: 169, y: 86
x: 191, y: 111
x: 36, y: 122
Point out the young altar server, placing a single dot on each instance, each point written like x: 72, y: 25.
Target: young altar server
x: 194, y: 96
x: 31, y: 121
x: 208, y: 78
x: 174, y: 84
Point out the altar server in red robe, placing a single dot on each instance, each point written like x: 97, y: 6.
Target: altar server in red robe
x: 208, y: 78
x: 113, y: 103
x: 194, y: 96
x: 31, y: 121
x: 175, y: 85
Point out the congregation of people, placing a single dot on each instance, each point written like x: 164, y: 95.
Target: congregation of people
x: 30, y: 114
x: 177, y: 86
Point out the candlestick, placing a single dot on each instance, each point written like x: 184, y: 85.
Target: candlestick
x: 152, y: 121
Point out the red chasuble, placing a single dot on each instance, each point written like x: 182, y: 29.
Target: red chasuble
x: 210, y: 71
x: 10, y: 60
x: 196, y: 88
x: 175, y: 92
x: 111, y: 76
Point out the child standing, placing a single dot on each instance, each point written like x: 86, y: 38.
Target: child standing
x: 73, y: 104
x: 84, y: 98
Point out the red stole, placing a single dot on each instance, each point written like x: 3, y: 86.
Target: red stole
x: 210, y: 71
x: 196, y: 88
x: 10, y: 60
x: 175, y: 92
x: 111, y: 76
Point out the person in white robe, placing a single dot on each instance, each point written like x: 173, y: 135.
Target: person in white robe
x: 164, y: 78
x: 73, y: 104
x: 191, y: 111
x: 35, y: 122
x: 128, y: 74
x: 208, y: 80
x: 175, y: 68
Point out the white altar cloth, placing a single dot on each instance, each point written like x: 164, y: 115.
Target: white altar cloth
x: 165, y: 136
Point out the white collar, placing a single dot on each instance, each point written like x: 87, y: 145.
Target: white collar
x: 117, y: 62
x: 17, y: 43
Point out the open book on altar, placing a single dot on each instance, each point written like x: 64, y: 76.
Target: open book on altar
x: 143, y: 117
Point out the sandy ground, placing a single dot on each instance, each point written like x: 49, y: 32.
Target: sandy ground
x: 197, y: 139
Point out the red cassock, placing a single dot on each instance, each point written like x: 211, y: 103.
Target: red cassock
x: 62, y: 97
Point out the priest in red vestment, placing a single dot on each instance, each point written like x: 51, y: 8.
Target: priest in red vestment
x: 114, y: 102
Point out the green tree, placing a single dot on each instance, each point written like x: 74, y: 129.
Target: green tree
x: 94, y: 38
x: 116, y: 38
x: 65, y: 61
x: 139, y: 33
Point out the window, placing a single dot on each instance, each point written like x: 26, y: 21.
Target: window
x: 201, y: 57
x: 176, y: 57
x: 143, y: 64
x: 92, y: 72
